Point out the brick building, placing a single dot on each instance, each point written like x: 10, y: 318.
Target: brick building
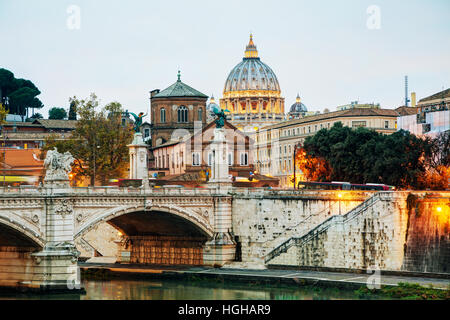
x: 176, y: 108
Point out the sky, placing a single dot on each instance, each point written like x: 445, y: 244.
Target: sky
x: 330, y: 52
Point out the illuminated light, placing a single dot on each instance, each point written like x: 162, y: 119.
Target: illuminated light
x: 119, y: 233
x: 439, y: 209
x: 340, y: 195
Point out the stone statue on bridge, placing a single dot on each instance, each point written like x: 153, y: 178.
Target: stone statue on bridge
x: 57, y: 165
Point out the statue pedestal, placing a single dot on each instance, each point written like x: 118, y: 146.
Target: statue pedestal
x: 219, y: 166
x: 222, y: 247
x: 138, y: 159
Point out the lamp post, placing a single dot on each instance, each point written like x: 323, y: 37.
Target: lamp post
x: 4, y: 156
x: 95, y: 148
x: 297, y: 146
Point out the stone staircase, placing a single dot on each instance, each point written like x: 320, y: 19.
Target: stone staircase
x: 291, y: 231
x: 322, y: 227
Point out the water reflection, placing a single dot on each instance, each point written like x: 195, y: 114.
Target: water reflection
x: 192, y: 290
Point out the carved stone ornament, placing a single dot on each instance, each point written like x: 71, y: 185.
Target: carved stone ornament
x: 57, y: 165
x: 148, y: 203
x: 63, y: 208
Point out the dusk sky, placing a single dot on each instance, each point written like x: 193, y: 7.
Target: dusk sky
x: 323, y: 50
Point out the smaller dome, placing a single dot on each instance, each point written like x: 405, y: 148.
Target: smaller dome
x: 212, y: 103
x: 298, y: 107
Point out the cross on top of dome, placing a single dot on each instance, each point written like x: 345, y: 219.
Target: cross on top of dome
x: 251, y: 51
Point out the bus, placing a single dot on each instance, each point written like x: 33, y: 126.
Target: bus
x: 338, y: 185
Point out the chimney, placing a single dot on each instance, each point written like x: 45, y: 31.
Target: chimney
x: 413, y: 99
x: 153, y: 93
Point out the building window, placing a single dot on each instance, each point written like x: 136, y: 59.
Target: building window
x: 195, y: 158
x: 182, y: 114
x: 356, y: 124
x: 386, y: 124
x: 168, y: 163
x: 146, y: 133
x: 244, y: 158
x: 230, y: 159
x: 210, y: 160
x: 199, y: 114
x: 162, y: 115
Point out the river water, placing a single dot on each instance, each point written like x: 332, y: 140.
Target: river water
x: 191, y: 290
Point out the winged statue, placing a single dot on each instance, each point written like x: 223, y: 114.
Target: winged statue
x: 219, y: 113
x: 137, y: 119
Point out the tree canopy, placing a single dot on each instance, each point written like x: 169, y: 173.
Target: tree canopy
x: 73, y: 108
x: 57, y: 113
x: 366, y: 156
x: 99, y: 141
x: 21, y: 94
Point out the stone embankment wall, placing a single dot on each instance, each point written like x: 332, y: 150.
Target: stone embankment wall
x: 397, y: 231
x: 263, y: 221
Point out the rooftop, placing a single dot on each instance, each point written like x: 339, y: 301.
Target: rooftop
x: 356, y: 112
x: 56, y: 124
x: 179, y: 89
x: 442, y: 94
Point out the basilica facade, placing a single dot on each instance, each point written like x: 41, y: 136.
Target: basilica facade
x: 252, y: 93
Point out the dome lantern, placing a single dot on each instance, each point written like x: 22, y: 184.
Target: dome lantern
x: 251, y: 51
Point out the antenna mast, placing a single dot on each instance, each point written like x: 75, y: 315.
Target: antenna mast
x: 406, y: 91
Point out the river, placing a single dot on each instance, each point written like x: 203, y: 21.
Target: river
x: 190, y: 290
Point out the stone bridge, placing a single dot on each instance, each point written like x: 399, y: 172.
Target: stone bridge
x: 200, y: 226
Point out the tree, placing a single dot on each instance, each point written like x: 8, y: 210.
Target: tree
x: 57, y: 113
x: 22, y: 99
x: 73, y: 108
x: 6, y: 81
x: 366, y: 156
x: 36, y: 116
x: 99, y: 141
x: 3, y: 113
x: 20, y: 92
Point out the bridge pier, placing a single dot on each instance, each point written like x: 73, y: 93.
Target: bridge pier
x: 55, y: 267
x: 222, y: 247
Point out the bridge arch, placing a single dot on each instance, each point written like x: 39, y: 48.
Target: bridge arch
x: 189, y: 217
x: 22, y: 230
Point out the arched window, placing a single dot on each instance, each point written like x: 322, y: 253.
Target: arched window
x: 199, y: 114
x: 182, y: 114
x: 163, y: 115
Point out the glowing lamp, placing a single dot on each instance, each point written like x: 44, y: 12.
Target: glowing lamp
x: 439, y: 209
x: 340, y: 195
x: 119, y: 233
